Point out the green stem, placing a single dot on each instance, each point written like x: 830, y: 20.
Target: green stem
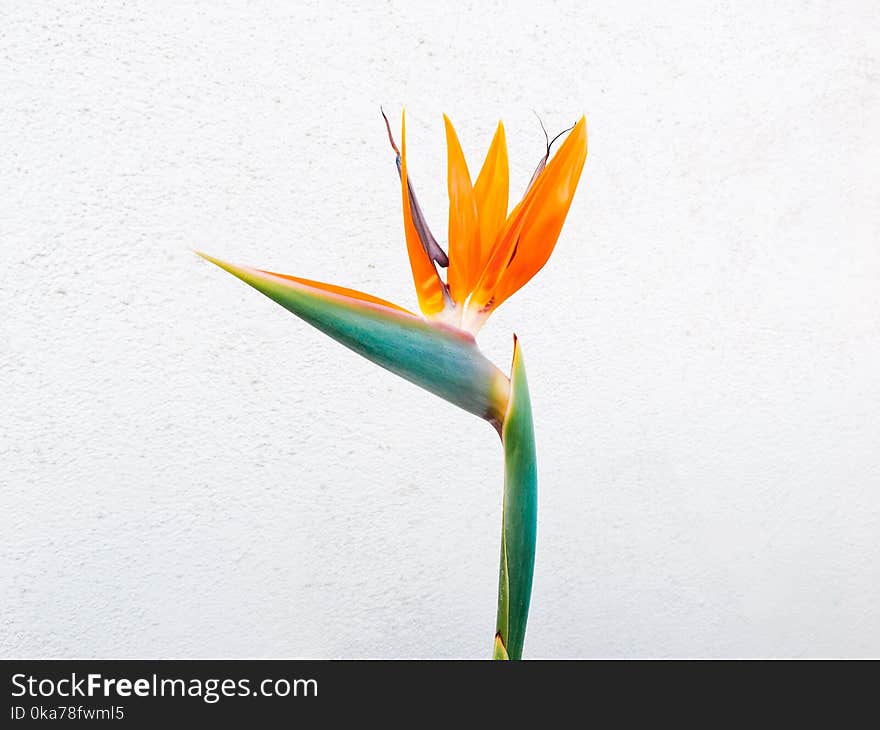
x: 519, y: 516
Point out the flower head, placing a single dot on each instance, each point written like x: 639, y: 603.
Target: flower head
x: 491, y: 254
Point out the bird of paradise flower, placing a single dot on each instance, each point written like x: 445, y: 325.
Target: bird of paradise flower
x: 492, y: 254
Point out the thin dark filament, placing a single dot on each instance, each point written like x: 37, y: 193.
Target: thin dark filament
x: 549, y: 143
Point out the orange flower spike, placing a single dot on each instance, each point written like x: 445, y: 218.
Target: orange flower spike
x: 553, y: 192
x: 491, y: 190
x: 430, y: 290
x: 464, y: 246
x: 532, y: 229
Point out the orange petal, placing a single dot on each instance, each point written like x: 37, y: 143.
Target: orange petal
x: 429, y: 288
x: 491, y: 191
x: 499, y: 254
x: 464, y: 246
x: 351, y: 293
x: 534, y: 225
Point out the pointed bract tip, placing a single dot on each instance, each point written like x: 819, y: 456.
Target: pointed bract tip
x: 208, y: 257
x: 225, y: 265
x: 499, y: 650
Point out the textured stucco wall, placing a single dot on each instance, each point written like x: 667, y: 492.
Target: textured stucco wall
x: 187, y: 470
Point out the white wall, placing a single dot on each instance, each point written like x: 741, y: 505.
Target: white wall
x: 188, y: 470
